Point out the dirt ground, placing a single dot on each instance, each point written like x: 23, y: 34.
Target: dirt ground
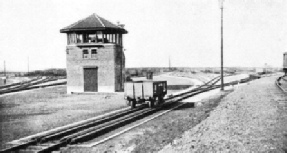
x: 251, y: 119
x: 29, y: 112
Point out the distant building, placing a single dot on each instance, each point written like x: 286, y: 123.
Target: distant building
x: 259, y: 70
x: 95, y: 57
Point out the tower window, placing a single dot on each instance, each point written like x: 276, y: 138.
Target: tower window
x: 94, y: 53
x: 85, y: 53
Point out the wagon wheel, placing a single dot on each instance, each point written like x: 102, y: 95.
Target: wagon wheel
x: 156, y: 101
x: 133, y: 104
x: 151, y: 103
x: 128, y: 102
x: 161, y: 100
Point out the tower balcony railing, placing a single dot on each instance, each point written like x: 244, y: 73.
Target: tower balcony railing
x: 94, y: 39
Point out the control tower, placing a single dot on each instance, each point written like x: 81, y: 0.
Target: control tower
x: 94, y: 56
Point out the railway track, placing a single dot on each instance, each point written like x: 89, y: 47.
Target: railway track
x: 27, y: 85
x: 17, y: 84
x: 52, y: 141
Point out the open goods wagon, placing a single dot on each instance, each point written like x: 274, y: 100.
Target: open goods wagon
x: 139, y: 92
x: 285, y: 63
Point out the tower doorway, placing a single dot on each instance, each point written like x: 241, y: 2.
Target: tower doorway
x: 90, y: 79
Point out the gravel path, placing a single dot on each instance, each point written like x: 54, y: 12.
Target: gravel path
x: 251, y: 119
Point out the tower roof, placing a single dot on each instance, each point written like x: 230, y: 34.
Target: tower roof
x: 94, y: 23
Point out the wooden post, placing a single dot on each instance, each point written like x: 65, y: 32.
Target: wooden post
x: 73, y: 37
x: 96, y: 37
x: 118, y: 38
x: 103, y: 39
x: 121, y: 39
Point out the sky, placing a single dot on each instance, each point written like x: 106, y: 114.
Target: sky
x: 187, y: 31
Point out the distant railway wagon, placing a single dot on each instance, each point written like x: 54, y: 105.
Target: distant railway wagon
x: 151, y: 92
x: 285, y: 63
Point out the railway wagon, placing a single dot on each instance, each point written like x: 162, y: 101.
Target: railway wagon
x: 150, y: 92
x: 285, y: 63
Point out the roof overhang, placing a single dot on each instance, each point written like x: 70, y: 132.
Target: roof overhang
x: 89, y: 30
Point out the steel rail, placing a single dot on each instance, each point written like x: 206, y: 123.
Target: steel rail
x: 195, y: 89
x: 28, y: 85
x: 88, y: 133
x: 84, y: 135
x: 20, y: 86
x: 129, y: 128
x: 19, y: 83
x: 86, y: 125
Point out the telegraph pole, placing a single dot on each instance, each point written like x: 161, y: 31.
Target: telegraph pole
x: 221, y: 73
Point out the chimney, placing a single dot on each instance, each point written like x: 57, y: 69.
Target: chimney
x: 120, y: 25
